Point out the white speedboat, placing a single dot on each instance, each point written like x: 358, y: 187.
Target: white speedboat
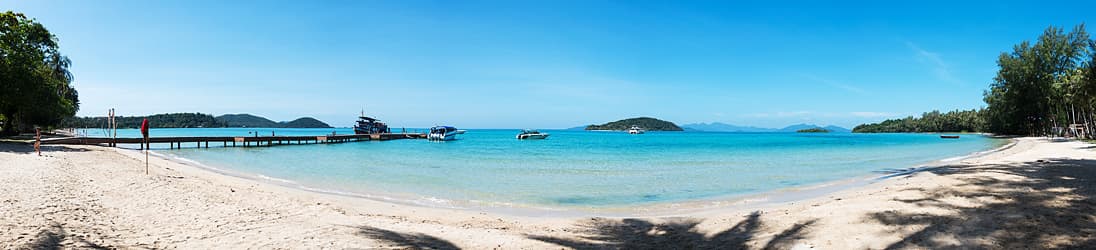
x: 443, y: 133
x: 635, y: 130
x: 529, y: 134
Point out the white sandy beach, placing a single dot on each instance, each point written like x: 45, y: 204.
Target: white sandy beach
x: 1034, y: 194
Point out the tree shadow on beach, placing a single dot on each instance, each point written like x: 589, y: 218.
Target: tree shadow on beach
x: 1045, y: 204
x: 55, y: 237
x: 405, y: 240
x: 676, y: 233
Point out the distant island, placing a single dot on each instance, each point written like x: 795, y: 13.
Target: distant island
x: 647, y: 123
x: 194, y: 120
x: 723, y: 127
x: 812, y: 130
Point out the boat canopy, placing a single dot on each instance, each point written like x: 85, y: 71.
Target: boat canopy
x: 443, y: 128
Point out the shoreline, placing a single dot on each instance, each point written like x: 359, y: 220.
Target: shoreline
x: 744, y: 201
x: 84, y: 196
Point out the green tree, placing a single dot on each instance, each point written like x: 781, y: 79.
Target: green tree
x: 1039, y: 86
x: 35, y: 83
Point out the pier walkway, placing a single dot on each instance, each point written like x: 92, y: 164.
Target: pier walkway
x: 234, y: 141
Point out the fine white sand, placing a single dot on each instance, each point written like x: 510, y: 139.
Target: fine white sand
x: 1034, y: 194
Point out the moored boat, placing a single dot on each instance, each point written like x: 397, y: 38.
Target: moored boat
x: 368, y: 125
x: 635, y: 130
x: 530, y: 134
x: 443, y: 133
x: 949, y: 137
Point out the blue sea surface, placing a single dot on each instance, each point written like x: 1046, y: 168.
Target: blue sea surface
x: 575, y: 169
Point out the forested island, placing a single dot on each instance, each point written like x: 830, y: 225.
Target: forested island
x: 1041, y: 88
x: 646, y: 123
x: 813, y: 130
x: 193, y: 120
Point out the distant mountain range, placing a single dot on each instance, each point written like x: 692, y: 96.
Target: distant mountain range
x: 723, y: 127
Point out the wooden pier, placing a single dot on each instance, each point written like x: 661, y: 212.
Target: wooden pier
x: 235, y: 141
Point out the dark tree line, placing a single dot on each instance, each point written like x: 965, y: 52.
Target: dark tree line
x: 953, y: 121
x: 1041, y: 88
x: 35, y: 83
x: 177, y: 120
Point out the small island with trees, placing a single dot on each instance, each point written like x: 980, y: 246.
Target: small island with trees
x: 647, y: 123
x: 813, y: 130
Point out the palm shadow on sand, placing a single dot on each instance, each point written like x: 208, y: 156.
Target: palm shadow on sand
x: 1048, y: 204
x: 405, y: 240
x: 678, y: 233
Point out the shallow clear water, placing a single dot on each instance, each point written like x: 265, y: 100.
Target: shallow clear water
x: 577, y: 168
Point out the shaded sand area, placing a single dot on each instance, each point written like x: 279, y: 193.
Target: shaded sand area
x: 1034, y: 194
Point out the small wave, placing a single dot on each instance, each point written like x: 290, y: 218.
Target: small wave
x: 264, y: 177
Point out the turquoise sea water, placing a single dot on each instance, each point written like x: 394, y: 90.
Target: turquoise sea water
x: 577, y: 169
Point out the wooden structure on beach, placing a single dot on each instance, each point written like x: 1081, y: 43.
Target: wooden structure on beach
x: 234, y: 141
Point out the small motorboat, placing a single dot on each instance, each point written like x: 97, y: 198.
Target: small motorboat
x: 531, y: 135
x: 635, y: 130
x: 443, y: 133
x: 949, y: 137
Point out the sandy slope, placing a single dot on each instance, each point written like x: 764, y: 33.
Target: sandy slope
x: 1035, y: 194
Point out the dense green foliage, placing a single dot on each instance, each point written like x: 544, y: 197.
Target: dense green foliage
x: 812, y: 130
x: 953, y: 121
x: 35, y: 83
x: 178, y: 120
x: 646, y: 123
x: 192, y: 120
x: 1044, y: 85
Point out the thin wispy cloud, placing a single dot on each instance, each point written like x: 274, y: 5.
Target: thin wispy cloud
x: 940, y: 68
x: 838, y: 85
x: 781, y: 114
x: 869, y: 114
x: 794, y: 114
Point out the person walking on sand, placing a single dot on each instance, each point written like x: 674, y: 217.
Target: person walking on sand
x: 38, y: 141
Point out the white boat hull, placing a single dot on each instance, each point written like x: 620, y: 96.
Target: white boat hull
x: 442, y: 137
x: 532, y: 136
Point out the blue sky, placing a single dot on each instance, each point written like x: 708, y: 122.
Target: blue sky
x: 541, y: 64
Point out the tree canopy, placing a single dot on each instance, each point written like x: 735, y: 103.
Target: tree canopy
x: 35, y: 83
x: 1043, y: 85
